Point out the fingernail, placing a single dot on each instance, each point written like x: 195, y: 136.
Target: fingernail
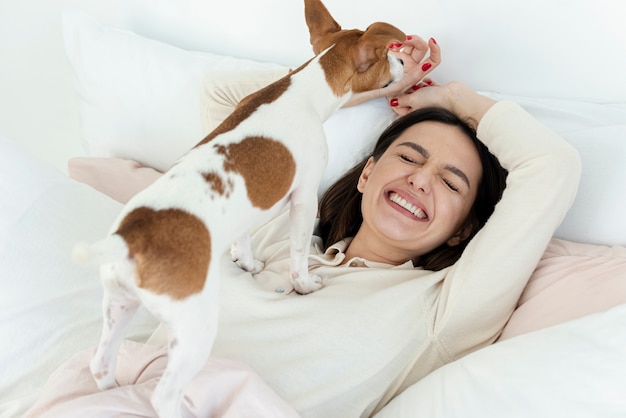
x: 398, y: 44
x: 433, y: 39
x: 393, y: 102
x: 426, y: 66
x: 390, y: 46
x: 409, y: 37
x: 415, y: 87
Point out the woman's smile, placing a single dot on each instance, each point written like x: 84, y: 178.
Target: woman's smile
x: 404, y: 206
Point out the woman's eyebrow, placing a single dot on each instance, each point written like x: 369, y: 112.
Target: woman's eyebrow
x: 424, y: 152
x: 458, y: 172
x: 417, y: 148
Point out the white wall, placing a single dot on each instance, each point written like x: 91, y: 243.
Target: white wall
x: 37, y: 109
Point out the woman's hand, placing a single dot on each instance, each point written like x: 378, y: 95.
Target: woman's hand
x: 416, y: 66
x: 412, y: 53
x: 454, y: 96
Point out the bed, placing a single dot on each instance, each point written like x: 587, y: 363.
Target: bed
x: 140, y: 82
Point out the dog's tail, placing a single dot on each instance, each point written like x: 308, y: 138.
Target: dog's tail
x: 112, y: 248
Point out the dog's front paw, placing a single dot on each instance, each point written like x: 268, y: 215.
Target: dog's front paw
x: 253, y: 266
x: 308, y: 284
x: 241, y: 254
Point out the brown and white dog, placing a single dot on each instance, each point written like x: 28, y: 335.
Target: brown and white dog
x: 164, y: 250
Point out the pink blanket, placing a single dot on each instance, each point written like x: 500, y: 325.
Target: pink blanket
x: 224, y: 388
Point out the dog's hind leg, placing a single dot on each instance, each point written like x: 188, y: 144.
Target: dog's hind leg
x: 192, y: 325
x: 118, y: 309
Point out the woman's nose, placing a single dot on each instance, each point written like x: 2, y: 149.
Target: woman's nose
x: 421, y: 179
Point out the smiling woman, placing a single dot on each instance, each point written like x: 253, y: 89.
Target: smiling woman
x: 429, y: 185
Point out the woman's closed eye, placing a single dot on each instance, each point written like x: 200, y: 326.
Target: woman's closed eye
x: 450, y: 185
x: 410, y: 159
x: 416, y: 153
x: 406, y: 158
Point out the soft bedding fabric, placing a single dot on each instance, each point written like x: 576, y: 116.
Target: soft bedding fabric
x: 222, y: 389
x: 116, y: 177
x: 572, y: 280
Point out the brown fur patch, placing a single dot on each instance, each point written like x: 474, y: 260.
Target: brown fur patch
x: 248, y: 105
x: 216, y: 183
x: 171, y: 248
x: 267, y: 166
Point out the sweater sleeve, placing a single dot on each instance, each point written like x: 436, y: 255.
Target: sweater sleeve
x: 481, y: 290
x: 224, y: 90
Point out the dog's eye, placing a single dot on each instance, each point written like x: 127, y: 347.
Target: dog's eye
x: 401, y: 62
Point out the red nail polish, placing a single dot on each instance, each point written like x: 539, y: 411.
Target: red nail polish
x: 416, y: 87
x: 393, y: 102
x: 433, y: 39
x: 390, y: 46
x: 409, y: 37
x: 398, y: 44
x: 426, y: 66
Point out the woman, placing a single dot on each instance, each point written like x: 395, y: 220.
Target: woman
x: 411, y: 279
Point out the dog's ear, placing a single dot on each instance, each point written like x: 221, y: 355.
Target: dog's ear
x: 373, y: 44
x: 365, y: 55
x: 320, y: 23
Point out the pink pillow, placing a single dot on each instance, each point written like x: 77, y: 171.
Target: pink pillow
x: 118, y: 178
x: 571, y: 280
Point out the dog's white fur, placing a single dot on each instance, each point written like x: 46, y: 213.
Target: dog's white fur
x: 206, y: 186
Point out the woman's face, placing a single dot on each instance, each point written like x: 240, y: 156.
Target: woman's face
x: 419, y: 193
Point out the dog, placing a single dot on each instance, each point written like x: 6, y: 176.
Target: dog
x: 164, y: 249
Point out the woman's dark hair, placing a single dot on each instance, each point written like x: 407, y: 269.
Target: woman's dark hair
x: 340, y: 206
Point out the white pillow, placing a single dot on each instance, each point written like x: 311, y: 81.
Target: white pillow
x: 139, y: 98
x: 142, y: 100
x: 573, y: 370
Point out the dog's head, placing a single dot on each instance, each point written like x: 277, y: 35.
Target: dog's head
x: 372, y: 66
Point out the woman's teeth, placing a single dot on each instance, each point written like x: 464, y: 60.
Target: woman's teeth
x: 400, y: 201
